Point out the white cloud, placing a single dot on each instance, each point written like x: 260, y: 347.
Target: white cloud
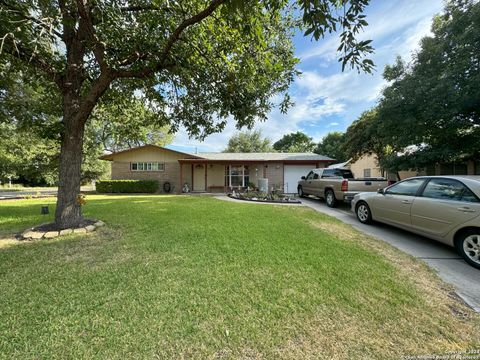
x: 388, y: 18
x: 396, y: 28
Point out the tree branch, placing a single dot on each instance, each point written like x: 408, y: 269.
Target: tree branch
x: 97, y: 89
x: 29, y: 56
x: 40, y: 22
x: 98, y: 47
x: 135, y: 8
x: 174, y: 37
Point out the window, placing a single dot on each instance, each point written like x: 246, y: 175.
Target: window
x: 310, y: 175
x: 367, y: 173
x: 407, y: 187
x: 315, y: 176
x: 448, y: 189
x: 144, y: 166
x: 327, y: 173
x: 341, y: 173
x: 237, y: 175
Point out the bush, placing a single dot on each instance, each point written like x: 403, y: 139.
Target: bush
x: 127, y: 186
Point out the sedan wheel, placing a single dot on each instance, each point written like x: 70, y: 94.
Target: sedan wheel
x: 468, y: 245
x: 363, y: 213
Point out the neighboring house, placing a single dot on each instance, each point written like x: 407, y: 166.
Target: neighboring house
x: 213, y: 172
x: 367, y: 166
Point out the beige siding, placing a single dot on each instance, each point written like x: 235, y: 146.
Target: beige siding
x: 366, y: 162
x: 187, y: 175
x: 215, y: 176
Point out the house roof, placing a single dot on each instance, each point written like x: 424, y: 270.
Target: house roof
x: 266, y: 156
x: 110, y: 156
x: 220, y: 156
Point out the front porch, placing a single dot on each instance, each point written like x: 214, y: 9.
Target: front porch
x: 220, y: 177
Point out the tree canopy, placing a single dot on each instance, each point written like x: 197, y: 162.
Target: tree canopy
x: 430, y: 111
x: 295, y: 142
x: 331, y: 145
x: 249, y: 141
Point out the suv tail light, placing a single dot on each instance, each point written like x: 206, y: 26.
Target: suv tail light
x: 345, y: 185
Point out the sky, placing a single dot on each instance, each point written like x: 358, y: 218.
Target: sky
x: 327, y: 99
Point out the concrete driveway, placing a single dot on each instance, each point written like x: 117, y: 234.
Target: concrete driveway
x: 449, y: 265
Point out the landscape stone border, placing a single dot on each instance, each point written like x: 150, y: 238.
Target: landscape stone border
x: 31, y: 234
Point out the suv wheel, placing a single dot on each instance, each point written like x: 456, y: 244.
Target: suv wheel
x: 467, y: 244
x: 300, y: 192
x: 330, y: 198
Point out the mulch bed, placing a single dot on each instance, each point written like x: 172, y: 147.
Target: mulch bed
x: 54, y: 227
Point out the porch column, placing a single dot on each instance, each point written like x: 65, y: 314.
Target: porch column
x: 206, y: 167
x: 181, y: 177
x: 191, y: 185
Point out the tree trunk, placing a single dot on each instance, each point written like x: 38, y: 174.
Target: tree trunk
x: 68, y: 213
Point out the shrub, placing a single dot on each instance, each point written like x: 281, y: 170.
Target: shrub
x: 127, y: 186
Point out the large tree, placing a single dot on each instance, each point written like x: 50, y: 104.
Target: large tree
x: 430, y: 111
x: 295, y: 142
x: 249, y: 141
x: 197, y: 62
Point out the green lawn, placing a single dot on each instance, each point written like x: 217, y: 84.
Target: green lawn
x: 195, y: 277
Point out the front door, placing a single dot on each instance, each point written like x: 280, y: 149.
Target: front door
x: 199, y: 177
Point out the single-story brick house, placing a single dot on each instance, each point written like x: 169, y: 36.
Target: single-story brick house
x: 213, y: 172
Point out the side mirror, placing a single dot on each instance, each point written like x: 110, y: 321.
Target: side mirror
x: 381, y: 191
x: 303, y: 178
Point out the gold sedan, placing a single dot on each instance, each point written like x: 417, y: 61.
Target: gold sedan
x: 443, y: 208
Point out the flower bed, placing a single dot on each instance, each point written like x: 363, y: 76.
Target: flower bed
x: 259, y: 196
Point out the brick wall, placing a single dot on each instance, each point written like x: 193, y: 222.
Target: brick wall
x: 274, y: 172
x: 121, y: 171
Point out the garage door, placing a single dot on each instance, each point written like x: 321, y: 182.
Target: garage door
x: 292, y: 174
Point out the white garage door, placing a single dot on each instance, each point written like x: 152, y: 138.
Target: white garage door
x: 292, y: 174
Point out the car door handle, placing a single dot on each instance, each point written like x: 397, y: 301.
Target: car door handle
x: 406, y: 202
x: 465, y: 209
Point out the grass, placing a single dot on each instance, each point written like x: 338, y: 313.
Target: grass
x: 195, y: 277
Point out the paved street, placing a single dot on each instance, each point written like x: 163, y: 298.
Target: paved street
x: 449, y: 265
x: 6, y: 195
